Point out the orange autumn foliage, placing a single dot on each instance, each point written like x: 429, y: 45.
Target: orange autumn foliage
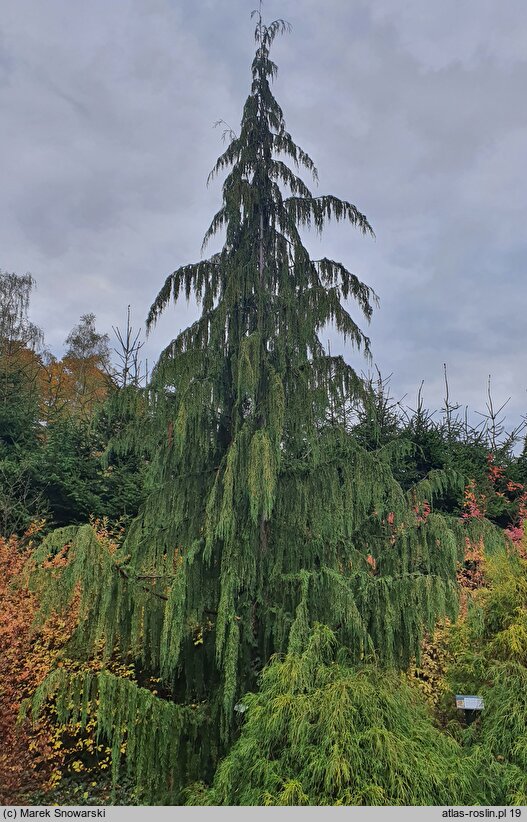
x: 72, y: 386
x: 29, y: 760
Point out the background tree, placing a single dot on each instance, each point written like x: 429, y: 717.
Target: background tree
x: 129, y: 370
x: 15, y: 326
x: 82, y: 470
x: 20, y: 427
x: 84, y: 342
x: 87, y: 366
x: 54, y: 425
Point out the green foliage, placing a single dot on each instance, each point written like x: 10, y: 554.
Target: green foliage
x: 20, y: 440
x: 74, y: 789
x: 494, y: 630
x: 51, y: 456
x: 297, y: 538
x: 490, y: 650
x: 75, y: 480
x: 157, y: 736
x: 264, y: 514
x: 20, y: 500
x: 66, y: 471
x: 445, y: 442
x: 321, y: 732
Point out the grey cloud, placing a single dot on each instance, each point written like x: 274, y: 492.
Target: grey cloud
x: 413, y: 111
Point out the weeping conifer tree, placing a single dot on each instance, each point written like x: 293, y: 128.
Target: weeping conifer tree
x: 264, y: 516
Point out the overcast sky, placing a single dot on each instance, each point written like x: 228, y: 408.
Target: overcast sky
x: 414, y: 110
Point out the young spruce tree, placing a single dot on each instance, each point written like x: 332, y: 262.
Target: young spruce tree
x: 264, y: 516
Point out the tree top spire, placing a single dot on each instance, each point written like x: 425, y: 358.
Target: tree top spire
x: 264, y: 35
